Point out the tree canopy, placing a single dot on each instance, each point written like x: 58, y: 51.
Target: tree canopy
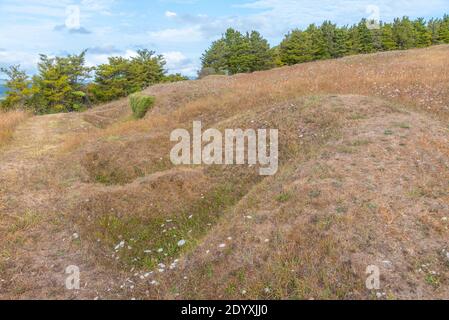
x: 237, y: 53
x: 64, y: 84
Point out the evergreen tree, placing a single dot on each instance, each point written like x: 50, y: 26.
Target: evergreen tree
x: 111, y: 80
x: 238, y: 53
x: 261, y: 55
x: 215, y: 57
x: 387, y: 38
x: 18, y: 87
x: 341, y: 38
x: 443, y: 32
x: 404, y: 33
x: 434, y: 26
x: 329, y: 44
x: 353, y: 41
x: 60, y: 84
x: 318, y: 43
x: 146, y: 69
x: 365, y: 38
x: 121, y: 77
x: 423, y: 37
x: 296, y: 48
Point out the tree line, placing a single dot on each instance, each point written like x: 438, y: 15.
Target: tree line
x: 236, y: 52
x: 66, y: 84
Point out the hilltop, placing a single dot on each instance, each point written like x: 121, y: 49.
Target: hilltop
x: 363, y: 180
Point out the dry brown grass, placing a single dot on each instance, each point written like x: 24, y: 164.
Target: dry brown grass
x: 8, y: 122
x: 362, y: 180
x: 416, y: 78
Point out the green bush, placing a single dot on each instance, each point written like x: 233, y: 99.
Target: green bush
x: 140, y: 104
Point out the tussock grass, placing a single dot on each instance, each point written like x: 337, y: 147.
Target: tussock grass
x: 8, y: 122
x: 140, y: 104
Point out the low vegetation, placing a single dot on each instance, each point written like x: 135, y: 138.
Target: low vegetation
x: 140, y: 104
x: 8, y: 122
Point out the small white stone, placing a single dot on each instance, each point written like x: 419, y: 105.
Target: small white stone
x: 75, y: 236
x: 181, y: 243
x: 223, y: 245
x: 120, y: 245
x: 160, y: 250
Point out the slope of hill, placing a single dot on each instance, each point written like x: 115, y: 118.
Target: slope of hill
x: 363, y: 180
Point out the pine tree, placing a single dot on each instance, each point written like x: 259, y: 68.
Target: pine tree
x: 423, y: 37
x: 215, y: 57
x: 328, y: 33
x: 404, y: 33
x: 353, y: 41
x: 318, y: 43
x: 434, y: 26
x: 261, y: 55
x: 387, y: 38
x: 238, y: 53
x: 443, y: 32
x: 341, y: 38
x: 365, y: 37
x: 296, y: 48
x: 59, y: 85
x: 18, y: 87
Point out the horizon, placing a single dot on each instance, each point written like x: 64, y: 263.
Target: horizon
x: 181, y: 30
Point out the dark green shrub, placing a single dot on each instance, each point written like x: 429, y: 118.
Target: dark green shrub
x: 140, y: 104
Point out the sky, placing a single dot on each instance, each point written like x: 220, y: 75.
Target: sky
x: 181, y: 30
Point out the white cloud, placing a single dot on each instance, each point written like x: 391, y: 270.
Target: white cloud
x: 189, y: 34
x: 170, y: 14
x: 177, y: 62
x: 100, y: 55
x: 26, y: 60
x: 277, y: 15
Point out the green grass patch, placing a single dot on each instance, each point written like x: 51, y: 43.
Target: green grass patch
x: 150, y: 241
x: 140, y: 104
x: 283, y: 197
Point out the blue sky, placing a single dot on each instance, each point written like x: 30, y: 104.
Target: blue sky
x: 179, y: 29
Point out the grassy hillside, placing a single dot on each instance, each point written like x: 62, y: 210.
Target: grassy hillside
x: 363, y: 180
